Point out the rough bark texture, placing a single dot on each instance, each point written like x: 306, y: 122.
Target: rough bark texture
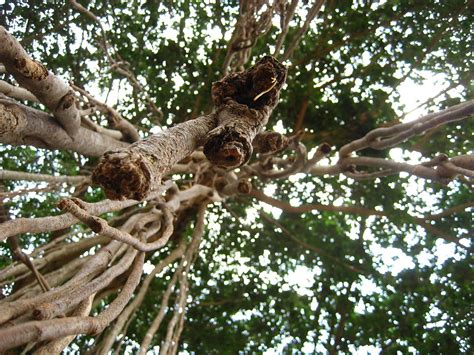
x: 43, y: 224
x: 244, y: 102
x: 52, y: 294
x: 134, y: 171
x: 52, y: 91
x: 269, y: 142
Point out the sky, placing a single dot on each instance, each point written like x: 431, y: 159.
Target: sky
x: 394, y: 260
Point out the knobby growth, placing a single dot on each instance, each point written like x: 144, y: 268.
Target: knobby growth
x: 170, y: 245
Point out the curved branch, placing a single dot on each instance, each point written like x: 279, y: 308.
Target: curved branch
x: 20, y: 125
x: 114, y: 331
x: 36, y: 331
x: 51, y: 90
x: 48, y: 224
x: 100, y: 226
x: 357, y: 210
x: 381, y: 138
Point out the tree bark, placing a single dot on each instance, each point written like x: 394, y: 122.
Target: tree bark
x: 51, y: 90
x: 23, y: 125
x: 244, y: 102
x: 134, y: 171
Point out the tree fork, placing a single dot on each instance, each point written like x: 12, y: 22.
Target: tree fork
x: 244, y: 102
x: 51, y: 90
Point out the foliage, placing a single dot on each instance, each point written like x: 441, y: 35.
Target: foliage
x: 383, y: 282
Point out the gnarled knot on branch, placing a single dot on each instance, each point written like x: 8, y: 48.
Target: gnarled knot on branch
x: 124, y: 174
x: 244, y: 102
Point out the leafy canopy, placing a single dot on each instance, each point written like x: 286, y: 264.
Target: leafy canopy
x: 315, y: 280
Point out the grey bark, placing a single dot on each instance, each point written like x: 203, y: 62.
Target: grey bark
x: 50, y: 90
x: 22, y: 125
x: 134, y: 171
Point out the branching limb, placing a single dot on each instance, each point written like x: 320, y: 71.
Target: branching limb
x: 444, y: 170
x: 65, y: 301
x: 296, y: 166
x: 441, y: 168
x: 114, y: 118
x: 16, y: 92
x: 60, y: 254
x: 51, y: 90
x: 36, y: 331
x: 177, y: 320
x: 269, y: 142
x: 312, y: 12
x: 382, y: 138
x: 321, y: 152
x: 188, y: 258
x: 115, y: 330
x: 97, y: 264
x: 48, y: 224
x: 100, y: 226
x: 88, y: 123
x: 244, y: 103
x: 251, y: 24
x: 134, y: 171
x: 23, y: 125
x: 94, y: 18
x: 356, y: 210
x: 25, y: 259
x: 286, y: 16
x: 155, y: 325
x: 16, y: 249
x: 119, y: 65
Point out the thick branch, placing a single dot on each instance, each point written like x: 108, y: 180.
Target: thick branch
x: 51, y: 90
x: 244, y: 102
x: 133, y: 172
x: 22, y: 125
